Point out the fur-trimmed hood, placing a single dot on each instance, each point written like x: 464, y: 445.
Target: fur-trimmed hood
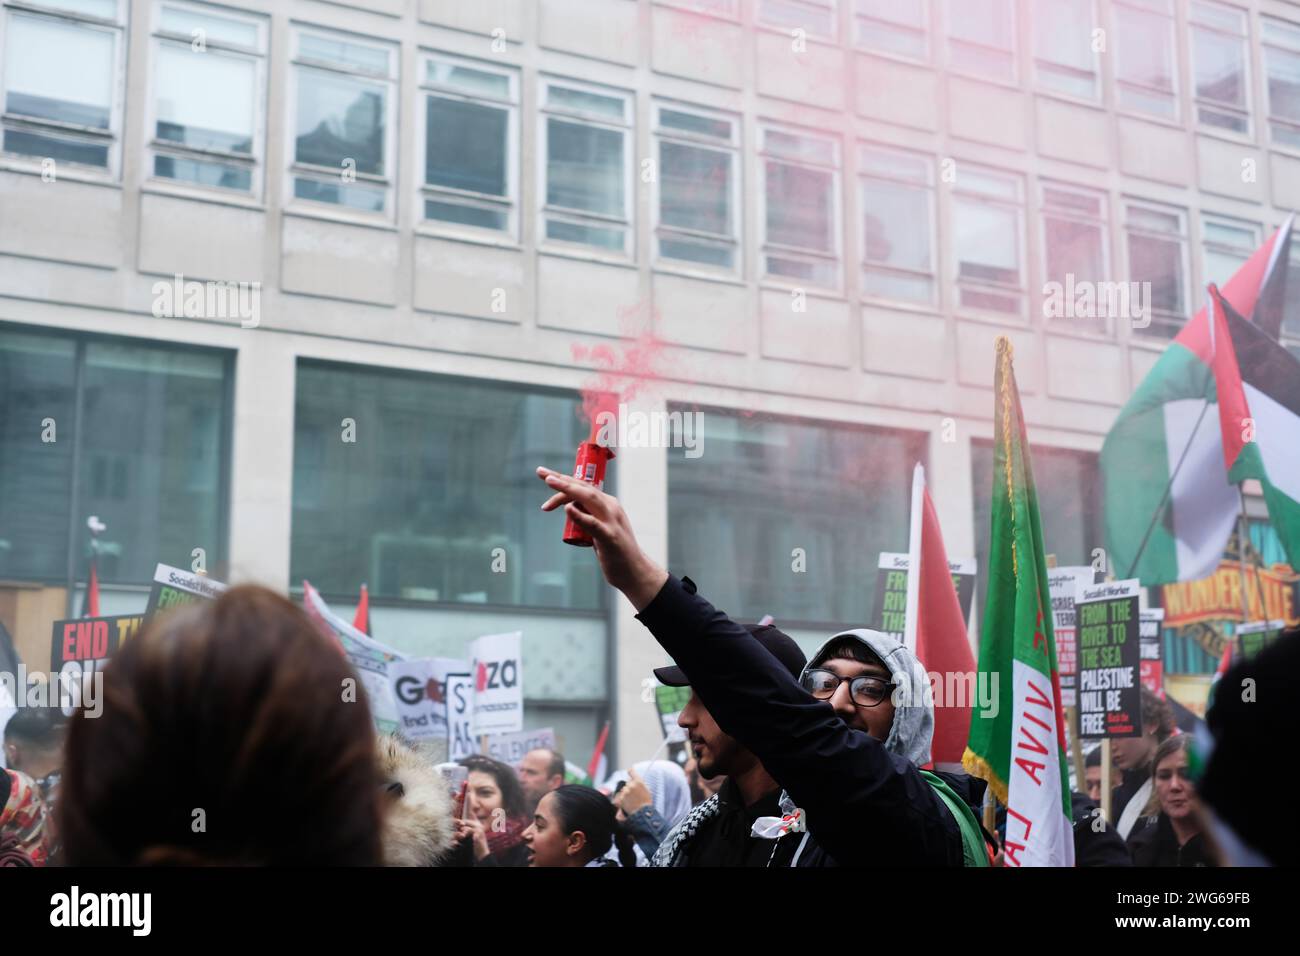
x: 418, y: 829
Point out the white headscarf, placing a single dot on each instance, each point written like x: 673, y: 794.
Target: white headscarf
x: 669, y: 791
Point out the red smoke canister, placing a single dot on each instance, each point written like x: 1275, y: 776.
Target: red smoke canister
x: 589, y: 467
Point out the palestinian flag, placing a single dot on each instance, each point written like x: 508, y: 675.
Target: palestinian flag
x: 1168, y: 429
x: 1020, y: 749
x: 361, y: 620
x: 1257, y: 384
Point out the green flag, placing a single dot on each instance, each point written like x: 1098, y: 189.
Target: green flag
x: 1019, y: 746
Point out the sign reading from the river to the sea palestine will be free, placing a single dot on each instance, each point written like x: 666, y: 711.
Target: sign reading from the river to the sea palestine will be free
x: 1109, y: 656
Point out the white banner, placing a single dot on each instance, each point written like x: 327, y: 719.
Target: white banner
x: 498, y: 683
x: 460, y: 716
x: 420, y: 693
x: 510, y: 748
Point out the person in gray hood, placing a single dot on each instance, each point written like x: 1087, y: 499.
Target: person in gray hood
x: 844, y: 741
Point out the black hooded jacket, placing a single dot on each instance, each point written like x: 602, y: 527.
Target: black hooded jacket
x: 864, y: 806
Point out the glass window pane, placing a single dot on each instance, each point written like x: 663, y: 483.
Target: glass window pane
x: 40, y: 80
x: 353, y: 195
x: 1074, y: 248
x: 466, y: 146
x: 800, y: 209
x: 1160, y: 262
x: 354, y: 56
x: 695, y: 190
x: 204, y: 173
x: 897, y: 225
x: 340, y: 118
x: 441, y: 476
x: 1220, y: 68
x: 468, y: 80
x: 986, y: 22
x: 214, y: 29
x: 104, y: 9
x: 912, y: 14
x: 1063, y: 32
x: 64, y: 148
x: 694, y: 123
x: 151, y: 456
x: 466, y: 215
x: 584, y: 168
x: 1145, y: 49
x: 205, y: 100
x: 765, y: 486
x: 37, y: 380
x: 814, y: 17
x: 987, y: 242
x: 564, y: 97
x: 1283, y: 84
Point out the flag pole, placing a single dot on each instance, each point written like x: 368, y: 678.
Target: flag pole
x: 1105, y: 780
x: 914, y: 559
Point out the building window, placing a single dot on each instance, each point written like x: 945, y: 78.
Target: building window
x: 1069, y: 489
x: 471, y: 136
x: 1147, y: 54
x: 343, y: 121
x: 1227, y: 244
x: 897, y: 193
x: 801, y: 202
x: 1157, y: 254
x: 207, y: 93
x: 60, y: 79
x: 837, y: 492
x: 814, y: 17
x: 439, y: 476
x: 1065, y: 58
x: 148, y: 428
x: 1282, y: 63
x: 1074, y: 252
x: 1220, y: 43
x: 1291, y: 307
x: 982, y: 38
x: 698, y: 220
x: 728, y: 9
x: 988, y: 226
x: 588, y: 188
x: 900, y: 29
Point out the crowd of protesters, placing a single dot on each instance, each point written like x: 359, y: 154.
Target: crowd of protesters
x: 224, y: 739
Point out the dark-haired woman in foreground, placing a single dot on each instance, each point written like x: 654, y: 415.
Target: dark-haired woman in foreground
x: 227, y: 737
x: 576, y: 826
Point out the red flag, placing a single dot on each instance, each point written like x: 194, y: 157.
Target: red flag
x: 595, y: 768
x: 92, y: 593
x: 936, y: 629
x: 362, y: 620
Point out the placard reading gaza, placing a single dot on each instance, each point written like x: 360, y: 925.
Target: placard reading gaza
x: 81, y: 646
x: 498, y: 683
x: 1110, y: 698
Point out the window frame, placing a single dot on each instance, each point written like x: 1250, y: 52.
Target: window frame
x: 833, y: 6
x: 154, y: 147
x: 1054, y: 66
x: 511, y: 202
x: 1246, y: 49
x: 1267, y: 44
x: 110, y: 138
x: 732, y: 15
x: 1231, y: 222
x: 765, y: 246
x: 1017, y: 206
x: 859, y: 19
x: 1013, y: 52
x: 1120, y: 84
x: 1189, y: 305
x: 1102, y: 222
x: 930, y: 188
x: 295, y: 169
x: 732, y: 149
x: 627, y: 128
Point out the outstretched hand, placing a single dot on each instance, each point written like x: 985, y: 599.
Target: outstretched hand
x: 625, y: 566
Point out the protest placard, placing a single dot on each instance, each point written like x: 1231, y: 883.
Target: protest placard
x: 81, y: 646
x: 498, y: 683
x: 173, y: 587
x: 891, y: 590
x: 1064, y: 584
x: 669, y: 703
x: 510, y: 748
x: 1110, y: 701
x: 460, y: 716
x: 420, y: 694
x: 1152, y: 670
x: 370, y: 658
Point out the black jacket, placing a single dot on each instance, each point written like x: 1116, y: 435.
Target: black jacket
x: 864, y: 806
x: 1096, y: 842
x: 1153, y: 843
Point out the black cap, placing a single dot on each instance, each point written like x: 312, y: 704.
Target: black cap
x: 779, y: 644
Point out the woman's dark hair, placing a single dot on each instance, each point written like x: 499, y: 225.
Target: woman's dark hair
x: 1159, y: 713
x: 588, y: 810
x: 231, y: 733
x: 512, y: 791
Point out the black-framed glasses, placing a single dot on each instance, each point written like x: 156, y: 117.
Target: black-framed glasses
x: 864, y: 690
